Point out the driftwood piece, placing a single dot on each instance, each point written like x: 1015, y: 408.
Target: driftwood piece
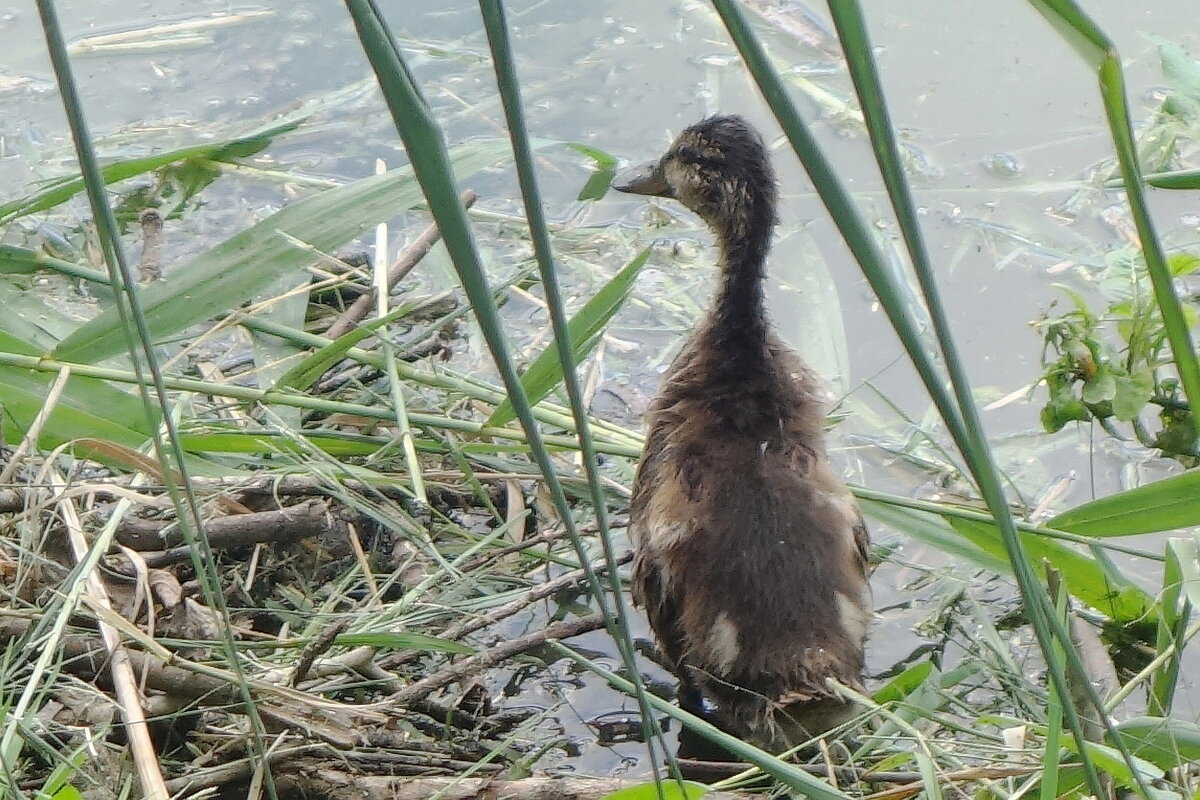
x: 293, y: 523
x: 338, y: 724
x: 150, y: 264
x: 334, y: 784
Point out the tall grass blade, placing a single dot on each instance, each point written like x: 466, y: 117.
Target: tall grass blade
x: 1182, y: 568
x: 135, y: 335
x: 571, y: 341
x: 1047, y: 624
x: 954, y: 411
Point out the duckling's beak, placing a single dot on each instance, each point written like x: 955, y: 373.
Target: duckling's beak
x: 646, y: 179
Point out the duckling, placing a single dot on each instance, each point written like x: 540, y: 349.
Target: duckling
x: 750, y: 553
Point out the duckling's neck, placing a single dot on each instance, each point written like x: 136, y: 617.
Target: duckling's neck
x: 738, y: 320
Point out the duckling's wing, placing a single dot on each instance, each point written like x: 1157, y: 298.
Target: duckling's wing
x: 653, y: 522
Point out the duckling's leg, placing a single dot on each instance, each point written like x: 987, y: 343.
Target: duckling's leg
x: 696, y: 746
x: 691, y: 699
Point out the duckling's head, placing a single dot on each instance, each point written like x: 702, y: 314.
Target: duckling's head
x: 718, y: 168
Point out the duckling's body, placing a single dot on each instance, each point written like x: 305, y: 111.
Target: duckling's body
x: 750, y: 552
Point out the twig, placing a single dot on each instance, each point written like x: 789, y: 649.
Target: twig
x: 235, y: 771
x: 124, y: 681
x: 409, y: 259
x: 320, y: 643
x: 916, y: 786
x: 494, y: 655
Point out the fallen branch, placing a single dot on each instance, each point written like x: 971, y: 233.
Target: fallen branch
x: 291, y: 524
x: 338, y: 785
x: 339, y: 724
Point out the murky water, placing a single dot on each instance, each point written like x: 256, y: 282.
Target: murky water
x: 1002, y: 118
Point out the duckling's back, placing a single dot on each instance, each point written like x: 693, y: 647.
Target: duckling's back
x: 750, y: 552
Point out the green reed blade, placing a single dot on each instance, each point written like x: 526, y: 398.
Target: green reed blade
x: 583, y: 330
x: 137, y: 339
x: 63, y: 189
x: 1182, y: 556
x: 1166, y: 504
x: 571, y: 340
x: 221, y: 278
x: 1047, y: 624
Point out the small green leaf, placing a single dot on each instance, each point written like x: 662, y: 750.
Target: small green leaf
x: 1133, y: 392
x: 603, y: 160
x: 584, y: 330
x: 599, y: 181
x: 1100, y: 387
x: 905, y: 683
x: 597, y: 184
x: 1183, y: 263
x: 1168, y: 743
x: 1061, y: 409
x: 1164, y: 505
x: 670, y: 791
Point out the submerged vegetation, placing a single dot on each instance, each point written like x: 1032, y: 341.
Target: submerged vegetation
x: 271, y: 530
